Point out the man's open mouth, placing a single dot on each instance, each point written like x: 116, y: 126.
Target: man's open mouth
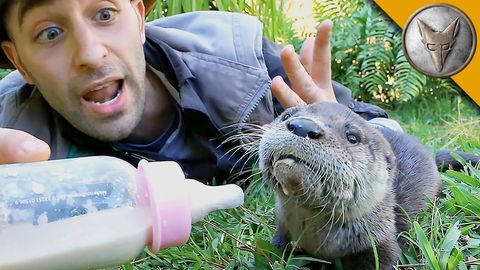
x: 105, y: 99
x: 105, y: 93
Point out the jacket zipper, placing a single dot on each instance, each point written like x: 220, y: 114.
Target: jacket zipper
x: 264, y: 90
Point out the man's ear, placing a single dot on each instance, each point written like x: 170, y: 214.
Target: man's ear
x: 10, y: 51
x: 139, y: 8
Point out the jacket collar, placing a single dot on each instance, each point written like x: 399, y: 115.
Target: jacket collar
x: 165, y: 59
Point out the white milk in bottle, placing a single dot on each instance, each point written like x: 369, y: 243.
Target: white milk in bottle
x: 87, y: 213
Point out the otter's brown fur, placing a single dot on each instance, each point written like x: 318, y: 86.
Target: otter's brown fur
x: 335, y: 175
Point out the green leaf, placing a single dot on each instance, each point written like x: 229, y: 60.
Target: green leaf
x: 466, y: 229
x: 463, y: 266
x: 265, y: 252
x: 153, y: 255
x: 465, y: 178
x: 215, y: 243
x: 127, y: 266
x: 304, y: 260
x: 454, y: 260
x: 473, y: 243
x: 466, y: 199
x: 426, y: 248
x: 460, y: 196
x: 374, y: 246
x: 448, y: 244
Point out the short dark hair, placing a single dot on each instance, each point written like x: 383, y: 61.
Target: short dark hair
x: 4, y: 6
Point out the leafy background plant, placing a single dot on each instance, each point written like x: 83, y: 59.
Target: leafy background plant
x: 270, y: 12
x: 368, y: 56
x: 4, y: 72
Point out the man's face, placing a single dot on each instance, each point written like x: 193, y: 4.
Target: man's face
x: 86, y: 58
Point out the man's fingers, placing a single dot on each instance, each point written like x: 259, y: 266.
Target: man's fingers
x: 321, y: 65
x: 301, y: 81
x: 306, y: 53
x: 311, y: 75
x: 284, y: 94
x: 17, y: 146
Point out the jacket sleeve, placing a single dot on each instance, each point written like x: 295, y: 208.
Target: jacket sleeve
x: 271, y: 53
x: 10, y: 86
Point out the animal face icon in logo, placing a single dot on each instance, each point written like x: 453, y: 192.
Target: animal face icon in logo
x: 439, y: 40
x: 438, y: 44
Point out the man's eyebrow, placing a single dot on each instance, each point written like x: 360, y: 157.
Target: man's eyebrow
x: 28, y: 5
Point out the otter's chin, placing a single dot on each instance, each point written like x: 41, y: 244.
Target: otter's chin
x: 290, y: 175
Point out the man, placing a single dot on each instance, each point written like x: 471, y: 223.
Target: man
x: 101, y: 81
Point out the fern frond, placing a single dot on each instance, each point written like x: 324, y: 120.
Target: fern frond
x: 410, y: 83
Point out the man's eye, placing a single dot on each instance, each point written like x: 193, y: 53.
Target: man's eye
x: 105, y: 14
x: 49, y: 34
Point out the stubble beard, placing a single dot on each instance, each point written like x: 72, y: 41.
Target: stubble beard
x: 110, y: 129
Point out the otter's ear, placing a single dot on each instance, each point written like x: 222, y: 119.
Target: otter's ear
x: 421, y: 26
x: 10, y: 51
x: 391, y: 162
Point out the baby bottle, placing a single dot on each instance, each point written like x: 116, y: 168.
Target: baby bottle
x: 92, y: 212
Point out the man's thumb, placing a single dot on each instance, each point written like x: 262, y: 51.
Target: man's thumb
x: 17, y: 146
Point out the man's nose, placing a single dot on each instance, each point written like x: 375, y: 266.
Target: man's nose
x: 90, y: 49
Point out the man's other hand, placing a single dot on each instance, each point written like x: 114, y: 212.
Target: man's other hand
x: 18, y: 146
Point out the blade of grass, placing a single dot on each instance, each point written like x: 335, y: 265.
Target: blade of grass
x: 426, y: 248
x: 454, y: 260
x: 462, y: 177
x: 448, y: 244
x: 374, y: 246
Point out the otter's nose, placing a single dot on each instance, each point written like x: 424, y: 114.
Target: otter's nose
x: 304, y: 128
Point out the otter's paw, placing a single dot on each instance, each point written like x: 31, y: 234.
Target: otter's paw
x: 280, y: 240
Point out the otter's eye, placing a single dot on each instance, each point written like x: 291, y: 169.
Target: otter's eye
x: 352, y: 138
x: 285, y: 116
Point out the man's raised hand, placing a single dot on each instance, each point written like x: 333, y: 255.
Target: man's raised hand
x: 310, y: 74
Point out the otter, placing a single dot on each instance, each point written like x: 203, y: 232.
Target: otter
x: 342, y: 183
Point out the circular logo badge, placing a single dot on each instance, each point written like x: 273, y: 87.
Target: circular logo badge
x: 439, y: 40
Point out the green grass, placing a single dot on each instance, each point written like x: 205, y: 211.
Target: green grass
x: 447, y: 121
x: 446, y: 236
